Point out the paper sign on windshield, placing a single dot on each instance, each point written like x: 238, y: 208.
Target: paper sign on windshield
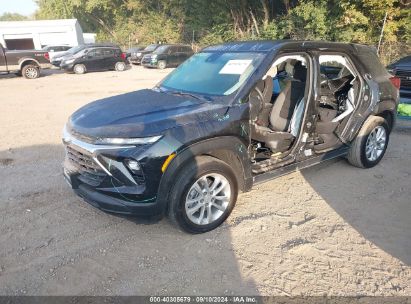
x: 236, y: 67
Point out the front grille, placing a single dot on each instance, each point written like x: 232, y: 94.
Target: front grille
x: 90, y: 172
x: 405, y: 77
x: 146, y: 59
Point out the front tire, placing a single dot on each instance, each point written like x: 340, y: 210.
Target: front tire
x: 31, y: 71
x: 162, y: 64
x: 203, y: 195
x: 369, y: 147
x: 79, y: 69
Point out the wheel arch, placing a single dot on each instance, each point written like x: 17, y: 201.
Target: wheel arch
x: 387, y: 109
x: 228, y: 149
x: 26, y: 61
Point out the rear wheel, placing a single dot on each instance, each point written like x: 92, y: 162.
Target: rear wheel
x: 203, y: 196
x: 369, y: 147
x: 31, y: 71
x: 79, y: 69
x: 162, y: 64
x: 120, y: 66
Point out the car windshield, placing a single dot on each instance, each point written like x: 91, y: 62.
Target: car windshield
x: 76, y: 49
x: 213, y: 73
x: 150, y: 47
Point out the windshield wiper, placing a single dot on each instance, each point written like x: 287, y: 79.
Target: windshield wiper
x: 180, y: 93
x: 185, y: 94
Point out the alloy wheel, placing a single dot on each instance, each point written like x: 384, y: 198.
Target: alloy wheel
x: 208, y: 199
x: 376, y: 143
x: 31, y: 72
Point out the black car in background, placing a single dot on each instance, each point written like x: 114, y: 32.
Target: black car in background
x: 402, y: 69
x: 213, y: 127
x: 133, y: 51
x: 135, y: 57
x: 167, y: 55
x: 95, y: 58
x: 56, y: 60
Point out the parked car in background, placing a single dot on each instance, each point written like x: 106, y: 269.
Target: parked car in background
x: 56, y: 50
x: 137, y: 56
x: 132, y: 52
x: 402, y: 69
x: 23, y: 62
x: 94, y: 58
x: 167, y: 55
x: 213, y: 127
x: 56, y: 61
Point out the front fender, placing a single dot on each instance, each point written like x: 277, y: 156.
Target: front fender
x: 236, y: 154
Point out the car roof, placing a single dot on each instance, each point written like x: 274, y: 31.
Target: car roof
x: 90, y: 45
x: 174, y: 44
x: 269, y: 45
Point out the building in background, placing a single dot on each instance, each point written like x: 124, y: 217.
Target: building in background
x: 19, y: 35
x: 89, y: 37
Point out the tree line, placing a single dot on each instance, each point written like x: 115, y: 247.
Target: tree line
x: 204, y: 22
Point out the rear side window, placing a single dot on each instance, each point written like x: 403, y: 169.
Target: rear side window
x: 108, y: 52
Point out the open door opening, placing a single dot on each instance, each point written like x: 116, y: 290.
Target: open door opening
x: 277, y: 105
x: 339, y: 91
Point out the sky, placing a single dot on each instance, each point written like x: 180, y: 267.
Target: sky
x: 23, y: 7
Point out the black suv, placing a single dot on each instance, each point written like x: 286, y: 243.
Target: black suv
x: 136, y: 57
x: 95, y: 58
x: 402, y: 69
x: 167, y: 55
x: 223, y: 122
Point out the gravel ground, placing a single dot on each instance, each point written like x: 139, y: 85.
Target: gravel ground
x: 331, y: 229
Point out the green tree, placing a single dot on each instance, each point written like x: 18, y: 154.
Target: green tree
x: 13, y: 17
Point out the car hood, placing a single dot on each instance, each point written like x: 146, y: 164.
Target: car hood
x: 140, y: 114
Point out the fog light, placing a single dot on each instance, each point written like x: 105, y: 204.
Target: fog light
x: 133, y: 165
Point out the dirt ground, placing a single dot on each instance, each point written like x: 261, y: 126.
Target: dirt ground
x: 331, y: 229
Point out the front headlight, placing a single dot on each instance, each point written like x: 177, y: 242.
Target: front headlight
x: 138, y: 54
x: 128, y: 141
x: 154, y: 56
x: 68, y: 61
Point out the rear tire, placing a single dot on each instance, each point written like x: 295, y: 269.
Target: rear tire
x: 369, y: 147
x: 30, y: 71
x: 120, y: 66
x: 79, y: 69
x: 207, y: 185
x: 162, y: 64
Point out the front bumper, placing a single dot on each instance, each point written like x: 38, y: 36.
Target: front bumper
x: 67, y: 67
x: 98, y: 175
x: 149, y: 64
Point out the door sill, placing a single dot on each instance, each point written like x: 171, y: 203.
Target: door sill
x: 288, y: 168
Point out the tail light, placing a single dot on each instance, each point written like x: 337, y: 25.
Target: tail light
x: 123, y: 55
x: 396, y: 82
x: 47, y: 56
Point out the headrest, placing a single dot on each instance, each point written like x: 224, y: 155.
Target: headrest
x: 300, y: 72
x: 289, y: 68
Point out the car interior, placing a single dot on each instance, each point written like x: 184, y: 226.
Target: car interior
x: 276, y: 108
x: 278, y: 102
x: 339, y: 92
